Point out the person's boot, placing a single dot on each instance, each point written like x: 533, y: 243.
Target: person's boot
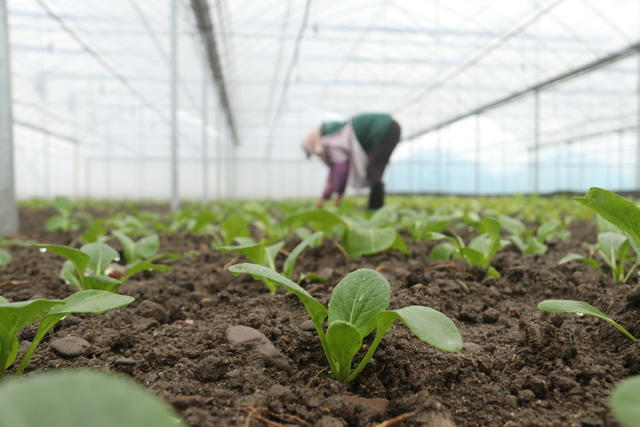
x: 376, y: 196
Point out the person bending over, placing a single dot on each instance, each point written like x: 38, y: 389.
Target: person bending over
x: 357, y: 152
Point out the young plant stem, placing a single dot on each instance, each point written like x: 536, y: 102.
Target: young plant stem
x: 323, y: 343
x: 631, y: 270
x: 45, y: 326
x: 368, y: 355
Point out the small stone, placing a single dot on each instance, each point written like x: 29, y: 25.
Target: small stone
x: 152, y: 310
x: 238, y: 335
x: 189, y: 322
x: 377, y: 404
x: 70, y: 346
x: 417, y: 286
x: 491, y: 315
x: 241, y: 335
x: 307, y: 325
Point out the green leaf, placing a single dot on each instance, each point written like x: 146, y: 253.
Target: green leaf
x: 615, y: 209
x: 535, y: 247
x: 254, y: 252
x: 400, y: 245
x: 512, y: 225
x: 357, y: 299
x: 366, y: 241
x: 442, y: 252
x: 128, y: 245
x: 79, y: 259
x: 69, y: 274
x: 146, y: 247
x: 272, y: 252
x: 474, y: 257
x: 13, y: 317
x: 87, y: 301
x: 316, y: 310
x: 432, y: 327
x: 80, y: 398
x: 101, y: 256
x: 94, y: 233
x: 384, y: 217
x: 577, y: 257
x: 91, y: 301
x: 57, y: 222
x: 290, y: 262
x: 580, y: 308
x: 234, y: 225
x: 624, y: 402
x: 343, y: 342
x: 5, y: 257
x: 492, y: 272
x: 546, y: 229
x: 612, y: 246
x: 140, y: 266
x: 63, y: 205
x: 319, y: 219
x: 103, y: 283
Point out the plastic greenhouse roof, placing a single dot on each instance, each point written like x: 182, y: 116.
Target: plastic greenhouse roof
x: 97, y: 72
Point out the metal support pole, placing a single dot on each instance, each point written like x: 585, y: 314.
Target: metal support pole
x: 439, y: 162
x: 205, y: 135
x: 621, y: 160
x: 638, y: 129
x: 219, y: 154
x: 477, y: 155
x: 76, y: 171
x: 175, y: 200
x: 535, y: 163
x: 8, y: 208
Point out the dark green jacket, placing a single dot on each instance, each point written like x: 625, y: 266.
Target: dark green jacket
x: 368, y: 127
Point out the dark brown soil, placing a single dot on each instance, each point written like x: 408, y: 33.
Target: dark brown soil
x: 519, y: 367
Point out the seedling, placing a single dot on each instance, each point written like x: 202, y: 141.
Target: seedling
x: 613, y: 248
x: 618, y: 211
x: 358, y: 237
x: 358, y: 306
x: 16, y: 315
x: 80, y: 397
x: 143, y: 250
x: 66, y: 220
x: 264, y: 255
x: 624, y: 402
x: 95, y: 232
x: 87, y: 268
x: 480, y: 250
x: 580, y: 308
x: 532, y: 240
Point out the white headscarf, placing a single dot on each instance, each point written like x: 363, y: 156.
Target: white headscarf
x: 311, y: 143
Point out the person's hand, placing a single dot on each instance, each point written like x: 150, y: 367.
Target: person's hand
x: 320, y: 204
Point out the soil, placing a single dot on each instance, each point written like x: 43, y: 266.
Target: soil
x: 519, y: 366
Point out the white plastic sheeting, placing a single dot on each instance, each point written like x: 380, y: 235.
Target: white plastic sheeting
x: 92, y: 94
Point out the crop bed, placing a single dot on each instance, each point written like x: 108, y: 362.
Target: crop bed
x: 519, y: 366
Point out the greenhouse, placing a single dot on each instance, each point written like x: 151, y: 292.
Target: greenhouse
x: 319, y: 212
